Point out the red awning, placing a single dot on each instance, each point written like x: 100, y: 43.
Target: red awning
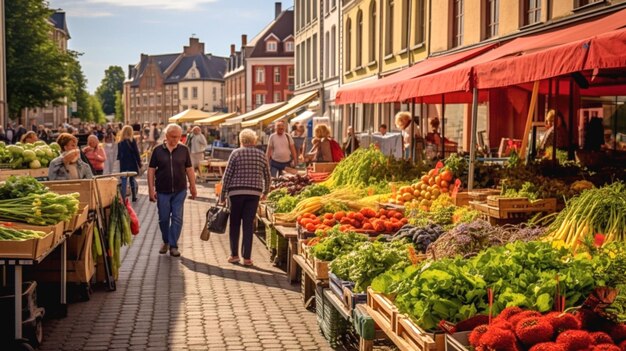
x: 529, y: 58
x: 607, y: 50
x: 386, y: 89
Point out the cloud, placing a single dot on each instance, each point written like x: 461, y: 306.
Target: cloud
x: 88, y: 13
x: 185, y: 5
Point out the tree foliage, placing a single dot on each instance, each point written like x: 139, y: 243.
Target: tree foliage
x: 37, y: 69
x: 112, y: 82
x: 119, y: 107
x: 77, y: 90
x: 95, y: 113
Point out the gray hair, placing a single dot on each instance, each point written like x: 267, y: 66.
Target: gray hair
x: 172, y: 126
x: 247, y: 137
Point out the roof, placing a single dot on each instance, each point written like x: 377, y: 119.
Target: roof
x: 281, y: 28
x: 210, y: 67
x: 59, y: 22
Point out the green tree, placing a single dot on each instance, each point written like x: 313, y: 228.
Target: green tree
x: 78, y: 88
x: 119, y: 107
x: 36, y: 67
x: 95, y: 113
x: 112, y: 82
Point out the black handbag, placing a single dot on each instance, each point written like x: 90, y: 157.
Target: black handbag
x: 217, y: 219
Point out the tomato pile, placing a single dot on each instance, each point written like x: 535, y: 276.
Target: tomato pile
x: 366, y: 220
x: 433, y: 184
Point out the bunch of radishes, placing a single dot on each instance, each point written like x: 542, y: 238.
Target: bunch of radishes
x: 516, y: 329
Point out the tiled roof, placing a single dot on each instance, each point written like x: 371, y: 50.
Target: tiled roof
x: 281, y: 27
x: 58, y: 20
x: 209, y: 67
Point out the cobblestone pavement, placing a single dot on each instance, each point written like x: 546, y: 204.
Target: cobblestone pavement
x: 195, y: 302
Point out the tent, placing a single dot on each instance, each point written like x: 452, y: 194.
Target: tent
x: 190, y: 115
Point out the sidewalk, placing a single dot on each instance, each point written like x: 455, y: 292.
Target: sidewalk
x: 195, y: 302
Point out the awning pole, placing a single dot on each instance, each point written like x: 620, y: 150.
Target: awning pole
x: 529, y: 119
x: 353, y: 119
x: 443, y: 126
x: 570, y: 152
x: 554, y: 126
x: 472, y: 162
x: 412, y: 159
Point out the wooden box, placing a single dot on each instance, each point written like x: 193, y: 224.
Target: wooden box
x: 457, y: 341
x: 79, y: 218
x: 27, y: 249
x: 319, y: 167
x: 482, y: 194
x: 107, y: 188
x: 505, y: 208
x: 386, y: 310
x: 414, y: 336
x: 321, y: 268
x: 37, y: 173
x: 462, y: 198
x: 57, y: 229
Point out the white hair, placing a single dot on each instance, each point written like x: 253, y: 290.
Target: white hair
x: 172, y: 126
x: 247, y: 137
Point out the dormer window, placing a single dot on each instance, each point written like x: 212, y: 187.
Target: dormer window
x: 271, y: 46
x: 289, y: 46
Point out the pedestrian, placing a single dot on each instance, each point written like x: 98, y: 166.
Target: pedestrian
x: 9, y: 133
x: 95, y: 154
x: 3, y: 136
x: 382, y: 129
x: 351, y: 143
x: 29, y: 137
x: 281, y: 150
x: 111, y: 164
x: 198, y: 145
x: 246, y: 180
x: 321, y: 150
x: 43, y: 134
x: 130, y: 159
x: 168, y: 172
x: 403, y: 121
x: 18, y: 133
x: 69, y: 165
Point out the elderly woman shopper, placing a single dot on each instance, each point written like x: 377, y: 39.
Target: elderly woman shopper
x: 130, y: 160
x: 321, y: 151
x: 68, y: 165
x: 246, y: 179
x: 95, y: 154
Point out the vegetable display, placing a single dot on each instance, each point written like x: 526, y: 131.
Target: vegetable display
x: 368, y: 260
x: 520, y: 274
x: 40, y: 209
x: 21, y: 186
x: 366, y: 219
x: 424, y: 192
x: 293, y: 183
x: 36, y: 155
x: 421, y: 237
x: 335, y: 244
x: 601, y: 210
x: 9, y: 234
x: 361, y: 168
x: 119, y: 233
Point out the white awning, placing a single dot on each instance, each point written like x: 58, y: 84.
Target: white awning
x: 304, y: 116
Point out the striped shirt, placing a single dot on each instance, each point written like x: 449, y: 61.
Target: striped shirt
x: 247, y: 173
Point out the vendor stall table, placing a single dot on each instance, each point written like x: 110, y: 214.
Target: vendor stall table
x: 291, y: 235
x: 17, y: 263
x: 309, y: 280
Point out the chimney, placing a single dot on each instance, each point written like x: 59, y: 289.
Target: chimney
x: 244, y: 40
x: 278, y: 8
x: 232, y: 49
x: 195, y: 47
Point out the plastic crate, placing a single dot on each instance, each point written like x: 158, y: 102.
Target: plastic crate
x: 332, y: 325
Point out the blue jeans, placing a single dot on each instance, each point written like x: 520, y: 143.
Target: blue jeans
x: 133, y: 187
x: 170, y: 208
x: 277, y: 168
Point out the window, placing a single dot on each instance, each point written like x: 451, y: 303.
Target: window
x: 492, y: 17
x: 348, y: 43
x: 194, y: 92
x: 333, y: 47
x: 185, y: 93
x: 159, y: 99
x: 405, y: 24
x: 195, y: 107
x: 271, y: 46
x: 193, y: 74
x: 308, y: 11
x: 581, y: 3
x: 389, y: 29
x: 260, y: 75
x: 420, y: 21
x: 260, y: 99
x: 359, y: 38
x: 185, y: 107
x: 334, y: 3
x: 290, y: 75
x: 532, y: 11
x: 314, y: 66
x: 289, y: 46
x: 327, y: 56
x: 145, y: 100
x: 327, y: 6
x: 457, y: 23
x: 276, y: 75
x: 372, y: 32
x: 278, y: 96
x: 315, y: 9
x: 214, y: 93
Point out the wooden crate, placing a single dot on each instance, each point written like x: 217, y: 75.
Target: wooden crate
x: 37, y: 173
x: 57, y: 229
x: 386, y: 310
x: 462, y: 198
x: 414, y: 336
x: 107, y: 188
x: 321, y: 268
x: 457, y: 341
x: 482, y: 194
x: 79, y: 218
x: 319, y: 167
x: 27, y: 249
x: 283, y: 223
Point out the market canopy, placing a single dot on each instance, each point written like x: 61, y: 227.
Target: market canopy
x: 530, y: 58
x: 190, y: 115
x: 263, y: 109
x: 291, y: 105
x: 304, y: 116
x: 386, y: 89
x: 214, y: 120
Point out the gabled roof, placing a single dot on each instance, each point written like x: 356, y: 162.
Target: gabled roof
x: 209, y: 67
x: 59, y: 22
x: 281, y: 28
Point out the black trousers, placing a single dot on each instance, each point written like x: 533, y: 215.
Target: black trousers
x: 242, y: 209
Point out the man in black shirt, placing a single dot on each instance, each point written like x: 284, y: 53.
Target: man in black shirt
x: 168, y: 172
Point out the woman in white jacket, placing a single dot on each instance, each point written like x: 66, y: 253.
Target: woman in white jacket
x: 197, y: 146
x: 111, y: 165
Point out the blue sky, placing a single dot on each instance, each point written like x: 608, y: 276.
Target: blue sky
x: 116, y: 32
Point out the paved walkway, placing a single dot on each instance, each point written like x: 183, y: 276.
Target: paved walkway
x: 195, y: 302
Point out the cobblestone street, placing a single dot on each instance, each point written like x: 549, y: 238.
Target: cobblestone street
x: 196, y: 302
